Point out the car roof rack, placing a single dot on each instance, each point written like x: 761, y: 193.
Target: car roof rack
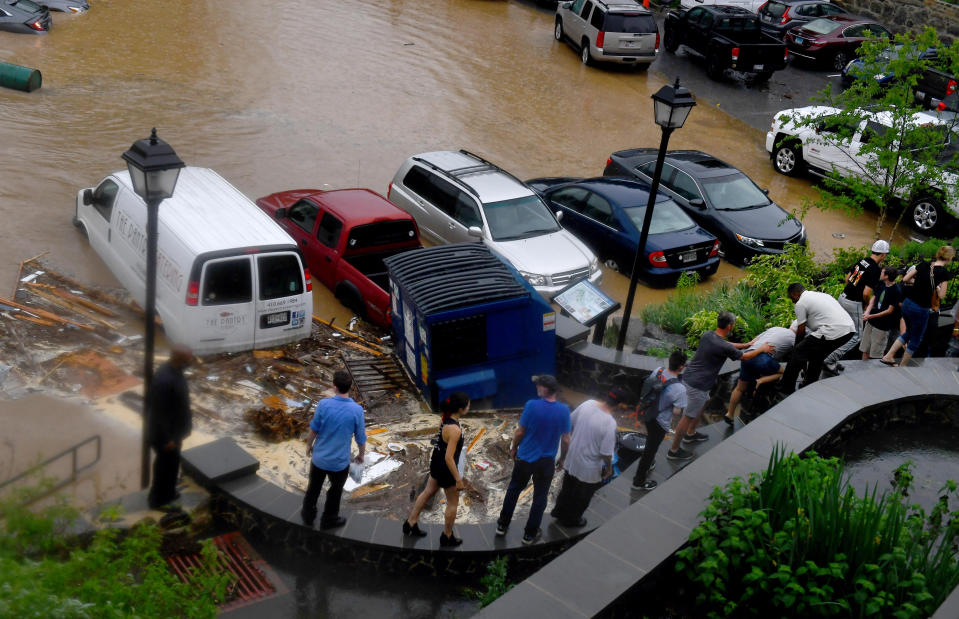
x: 457, y: 174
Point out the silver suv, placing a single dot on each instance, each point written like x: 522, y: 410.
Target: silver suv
x: 622, y: 31
x: 456, y: 196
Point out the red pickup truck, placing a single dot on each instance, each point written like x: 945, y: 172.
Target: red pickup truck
x: 345, y: 234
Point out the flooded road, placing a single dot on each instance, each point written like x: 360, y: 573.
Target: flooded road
x: 326, y: 95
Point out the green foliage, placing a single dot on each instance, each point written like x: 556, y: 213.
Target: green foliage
x: 901, y: 162
x: 797, y: 540
x: 697, y: 324
x: 661, y: 352
x: 495, y: 582
x: 46, y: 573
x: 770, y: 276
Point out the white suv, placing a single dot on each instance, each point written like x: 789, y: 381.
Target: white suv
x: 456, y: 196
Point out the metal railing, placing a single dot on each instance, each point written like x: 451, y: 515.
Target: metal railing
x: 73, y: 452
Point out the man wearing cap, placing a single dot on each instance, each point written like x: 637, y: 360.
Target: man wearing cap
x: 589, y: 456
x: 861, y: 281
x: 542, y: 426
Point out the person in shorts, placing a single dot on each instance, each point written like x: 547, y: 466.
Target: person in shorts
x: 764, y: 367
x: 881, y: 315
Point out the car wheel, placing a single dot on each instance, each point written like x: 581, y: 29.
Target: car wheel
x: 787, y: 159
x: 762, y: 78
x: 351, y: 299
x: 714, y: 68
x: 584, y: 53
x: 558, y: 31
x: 927, y: 215
x: 670, y: 40
x: 611, y: 264
x: 642, y: 67
x: 839, y: 60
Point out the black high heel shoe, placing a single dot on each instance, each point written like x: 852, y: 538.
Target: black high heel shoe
x: 413, y: 530
x: 450, y: 541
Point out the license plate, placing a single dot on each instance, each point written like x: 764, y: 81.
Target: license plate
x: 759, y: 67
x: 275, y: 319
x: 799, y: 40
x: 688, y: 256
x: 630, y: 44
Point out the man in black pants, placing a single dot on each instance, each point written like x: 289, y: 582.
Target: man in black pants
x: 168, y: 423
x: 822, y: 327
x: 672, y: 401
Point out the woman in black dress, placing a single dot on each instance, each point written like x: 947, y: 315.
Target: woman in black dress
x: 444, y: 470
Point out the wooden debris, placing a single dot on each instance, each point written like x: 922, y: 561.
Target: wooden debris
x: 476, y: 438
x: 93, y: 293
x: 268, y: 354
x: 279, y: 425
x: 40, y: 313
x: 68, y: 305
x: 418, y: 433
x: 524, y: 493
x: 376, y: 431
x: 345, y: 332
x: 69, y: 296
x: 363, y: 348
x: 16, y: 282
x: 368, y: 489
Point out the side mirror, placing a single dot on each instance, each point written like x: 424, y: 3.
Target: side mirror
x: 279, y: 213
x: 765, y: 192
x: 559, y: 215
x: 475, y: 231
x: 87, y: 197
x: 697, y: 202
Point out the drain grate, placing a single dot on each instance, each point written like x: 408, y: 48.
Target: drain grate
x: 250, y: 584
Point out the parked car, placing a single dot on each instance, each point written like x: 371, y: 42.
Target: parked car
x: 456, y: 196
x: 856, y: 69
x: 833, y: 40
x: 779, y: 16
x: 795, y: 147
x: 937, y: 89
x: 728, y: 37
x: 608, y: 31
x: 24, y: 16
x: 345, y: 234
x: 750, y: 5
x: 607, y: 214
x: 718, y: 197
x: 67, y: 6
x: 228, y: 278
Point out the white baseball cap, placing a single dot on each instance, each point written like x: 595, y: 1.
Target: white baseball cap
x: 880, y: 247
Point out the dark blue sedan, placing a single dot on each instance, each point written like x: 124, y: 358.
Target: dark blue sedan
x: 607, y: 214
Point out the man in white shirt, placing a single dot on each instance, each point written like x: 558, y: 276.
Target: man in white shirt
x: 822, y: 327
x: 589, y: 456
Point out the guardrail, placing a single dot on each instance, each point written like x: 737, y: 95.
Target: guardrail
x: 73, y: 452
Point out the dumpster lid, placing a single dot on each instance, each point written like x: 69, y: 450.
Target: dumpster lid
x: 448, y: 277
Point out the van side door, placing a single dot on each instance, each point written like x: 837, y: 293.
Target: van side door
x: 97, y: 218
x: 226, y: 312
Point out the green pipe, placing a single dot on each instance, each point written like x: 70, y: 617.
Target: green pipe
x: 19, y: 78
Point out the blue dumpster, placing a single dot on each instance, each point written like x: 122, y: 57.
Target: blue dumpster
x: 466, y: 320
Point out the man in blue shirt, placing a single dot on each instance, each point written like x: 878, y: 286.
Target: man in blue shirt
x: 336, y: 422
x: 543, y: 424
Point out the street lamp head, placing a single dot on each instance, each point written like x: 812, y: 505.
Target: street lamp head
x: 671, y: 105
x: 154, y: 167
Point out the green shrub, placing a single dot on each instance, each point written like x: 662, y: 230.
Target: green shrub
x: 797, y: 540
x: 118, y: 574
x: 495, y: 582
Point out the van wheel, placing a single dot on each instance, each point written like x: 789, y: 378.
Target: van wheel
x: 584, y: 53
x: 926, y: 215
x: 558, y: 31
x: 81, y: 227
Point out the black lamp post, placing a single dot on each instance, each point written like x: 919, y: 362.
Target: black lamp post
x: 154, y: 168
x: 671, y: 106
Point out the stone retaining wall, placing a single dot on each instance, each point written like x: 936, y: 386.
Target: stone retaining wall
x: 910, y: 15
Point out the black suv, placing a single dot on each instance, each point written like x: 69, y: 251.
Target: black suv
x: 778, y: 16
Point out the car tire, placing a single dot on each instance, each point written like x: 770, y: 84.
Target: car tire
x: 839, y: 60
x: 927, y: 214
x: 762, y: 78
x: 787, y: 158
x: 714, y: 68
x: 558, y: 30
x: 670, y: 41
x: 351, y: 299
x: 584, y: 53
x: 610, y: 263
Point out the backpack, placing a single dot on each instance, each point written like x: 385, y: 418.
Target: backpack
x: 653, y: 387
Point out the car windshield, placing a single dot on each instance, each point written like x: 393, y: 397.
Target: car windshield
x: 26, y: 5
x: 519, y: 218
x: 733, y: 192
x: 667, y: 217
x: 821, y: 26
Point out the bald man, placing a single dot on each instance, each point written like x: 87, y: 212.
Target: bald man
x: 168, y: 423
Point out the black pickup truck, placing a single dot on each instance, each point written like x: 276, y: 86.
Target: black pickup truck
x: 728, y: 37
x: 938, y: 89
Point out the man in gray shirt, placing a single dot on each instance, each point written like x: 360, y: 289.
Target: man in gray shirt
x: 763, y: 368
x: 701, y: 375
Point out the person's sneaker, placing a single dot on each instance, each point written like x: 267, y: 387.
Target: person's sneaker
x: 679, y: 454
x: 529, y: 539
x: 695, y: 437
x: 840, y: 367
x: 501, y: 529
x: 647, y: 485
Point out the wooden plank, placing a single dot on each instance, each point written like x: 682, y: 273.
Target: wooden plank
x: 69, y: 305
x: 69, y: 296
x: 343, y: 331
x: 93, y: 293
x: 45, y: 314
x: 365, y: 490
x: 16, y: 282
x: 476, y: 438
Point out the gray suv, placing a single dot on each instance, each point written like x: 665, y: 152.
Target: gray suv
x: 456, y: 196
x: 622, y: 32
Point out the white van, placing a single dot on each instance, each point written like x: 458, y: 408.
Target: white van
x: 228, y: 277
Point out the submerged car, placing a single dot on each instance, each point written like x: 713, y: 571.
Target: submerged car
x: 24, y: 16
x: 718, y: 197
x: 67, y: 6
x: 607, y: 215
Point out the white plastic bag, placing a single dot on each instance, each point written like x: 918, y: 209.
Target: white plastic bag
x: 356, y: 471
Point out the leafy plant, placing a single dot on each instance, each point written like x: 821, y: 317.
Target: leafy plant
x: 797, y: 540
x: 660, y: 351
x: 495, y: 582
x: 47, y: 573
